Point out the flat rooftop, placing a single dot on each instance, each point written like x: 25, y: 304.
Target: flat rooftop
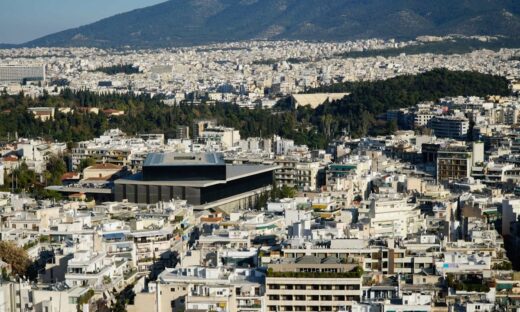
x: 179, y: 159
x: 233, y: 172
x: 84, y: 190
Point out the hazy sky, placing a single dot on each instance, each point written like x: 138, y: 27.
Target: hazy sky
x: 24, y: 20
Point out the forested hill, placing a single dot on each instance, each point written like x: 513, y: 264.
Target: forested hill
x: 315, y: 128
x: 370, y: 99
x: 189, y: 22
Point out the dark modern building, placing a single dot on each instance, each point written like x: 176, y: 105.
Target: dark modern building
x: 201, y: 179
x: 429, y: 153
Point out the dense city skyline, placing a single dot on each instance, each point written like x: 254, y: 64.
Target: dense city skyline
x: 261, y: 156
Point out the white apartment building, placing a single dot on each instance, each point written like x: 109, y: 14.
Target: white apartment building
x: 306, y: 176
x: 20, y: 297
x: 116, y: 148
x: 455, y: 262
x: 228, y: 137
x: 282, y: 146
x: 151, y: 246
x: 208, y: 289
x: 311, y: 284
x: 95, y: 270
x: 392, y: 216
x: 449, y: 127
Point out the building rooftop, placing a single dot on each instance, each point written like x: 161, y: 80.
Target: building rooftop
x: 316, y: 260
x: 178, y: 159
x: 104, y: 166
x: 233, y: 172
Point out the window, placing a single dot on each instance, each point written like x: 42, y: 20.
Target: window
x: 326, y: 287
x: 326, y: 298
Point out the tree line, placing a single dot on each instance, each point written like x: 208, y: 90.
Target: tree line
x: 356, y: 114
x: 118, y: 69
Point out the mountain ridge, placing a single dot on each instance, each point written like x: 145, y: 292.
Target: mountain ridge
x: 194, y: 22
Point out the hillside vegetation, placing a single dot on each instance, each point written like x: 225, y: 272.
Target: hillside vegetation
x: 143, y: 114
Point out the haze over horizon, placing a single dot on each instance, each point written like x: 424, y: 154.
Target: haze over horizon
x: 52, y: 16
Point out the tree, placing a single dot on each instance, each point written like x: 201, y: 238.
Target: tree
x: 41, y: 193
x: 287, y: 192
x: 392, y: 126
x: 274, y: 191
x: 358, y: 114
x: 84, y: 299
x: 326, y: 125
x: 504, y: 265
x: 262, y: 200
x: 118, y: 69
x: 22, y: 178
x: 55, y: 169
x: 15, y: 256
x: 120, y: 305
x: 125, y: 297
x: 5, y: 275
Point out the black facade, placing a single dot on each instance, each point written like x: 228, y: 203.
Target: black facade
x: 150, y: 193
x: 184, y: 173
x: 429, y: 153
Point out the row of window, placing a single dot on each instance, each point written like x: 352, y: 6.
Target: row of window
x: 313, y: 287
x: 312, y: 298
x: 303, y: 308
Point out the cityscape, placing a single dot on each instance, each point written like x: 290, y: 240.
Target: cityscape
x: 293, y: 167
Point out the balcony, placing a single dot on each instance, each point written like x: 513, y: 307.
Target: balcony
x: 249, y: 304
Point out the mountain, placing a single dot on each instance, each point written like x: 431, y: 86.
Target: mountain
x: 189, y: 22
x: 7, y: 46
